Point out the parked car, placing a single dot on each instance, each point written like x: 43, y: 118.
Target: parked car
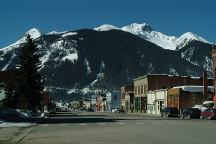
x: 208, y: 113
x: 170, y: 112
x: 190, y: 113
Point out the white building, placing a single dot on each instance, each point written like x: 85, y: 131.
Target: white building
x: 156, y: 100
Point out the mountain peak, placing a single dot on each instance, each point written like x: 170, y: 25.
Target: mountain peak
x: 136, y: 28
x: 191, y: 36
x: 34, y: 33
x: 106, y: 27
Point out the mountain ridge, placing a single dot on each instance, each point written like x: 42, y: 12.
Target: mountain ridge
x: 77, y: 62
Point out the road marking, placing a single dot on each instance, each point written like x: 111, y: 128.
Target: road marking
x: 62, y: 124
x: 82, y: 124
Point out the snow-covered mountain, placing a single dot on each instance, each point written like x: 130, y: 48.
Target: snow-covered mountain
x: 146, y: 31
x: 75, y: 62
x: 34, y: 33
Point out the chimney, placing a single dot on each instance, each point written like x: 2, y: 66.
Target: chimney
x: 205, y: 85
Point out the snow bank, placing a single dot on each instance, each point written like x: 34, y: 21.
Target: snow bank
x: 12, y: 124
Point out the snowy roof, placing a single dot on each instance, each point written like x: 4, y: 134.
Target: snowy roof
x: 195, y: 88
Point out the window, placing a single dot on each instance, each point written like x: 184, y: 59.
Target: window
x: 142, y: 89
x: 138, y: 90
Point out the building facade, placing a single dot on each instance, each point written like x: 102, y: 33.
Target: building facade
x: 153, y: 82
x: 156, y: 100
x: 127, y: 98
x: 214, y: 71
x: 140, y: 94
x: 187, y: 96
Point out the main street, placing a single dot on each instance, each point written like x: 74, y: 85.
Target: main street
x: 109, y: 128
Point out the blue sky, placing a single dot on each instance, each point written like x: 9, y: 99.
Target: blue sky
x: 171, y: 17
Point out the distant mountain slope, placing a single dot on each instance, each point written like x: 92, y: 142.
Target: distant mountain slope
x: 76, y: 62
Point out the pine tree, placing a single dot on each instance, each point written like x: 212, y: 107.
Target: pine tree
x: 29, y: 81
x: 9, y: 99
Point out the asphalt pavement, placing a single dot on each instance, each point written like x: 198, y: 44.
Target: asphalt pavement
x: 109, y: 128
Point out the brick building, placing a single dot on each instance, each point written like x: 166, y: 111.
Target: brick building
x: 153, y: 82
x: 188, y: 96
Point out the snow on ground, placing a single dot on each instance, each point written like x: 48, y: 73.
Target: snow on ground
x: 4, y: 124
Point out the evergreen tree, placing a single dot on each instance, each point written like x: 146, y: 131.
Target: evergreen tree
x: 29, y: 81
x: 10, y: 99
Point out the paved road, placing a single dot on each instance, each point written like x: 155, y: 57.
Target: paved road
x: 103, y: 128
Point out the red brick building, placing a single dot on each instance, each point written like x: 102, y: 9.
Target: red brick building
x: 153, y: 82
x: 188, y: 96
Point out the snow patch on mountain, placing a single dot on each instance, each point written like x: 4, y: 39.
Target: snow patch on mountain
x: 100, y: 75
x: 9, y: 62
x: 69, y: 34
x: 188, y: 54
x: 150, y: 68
x: 106, y: 27
x: 56, y: 32
x: 87, y: 66
x: 70, y: 91
x: 71, y: 57
x: 44, y: 58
